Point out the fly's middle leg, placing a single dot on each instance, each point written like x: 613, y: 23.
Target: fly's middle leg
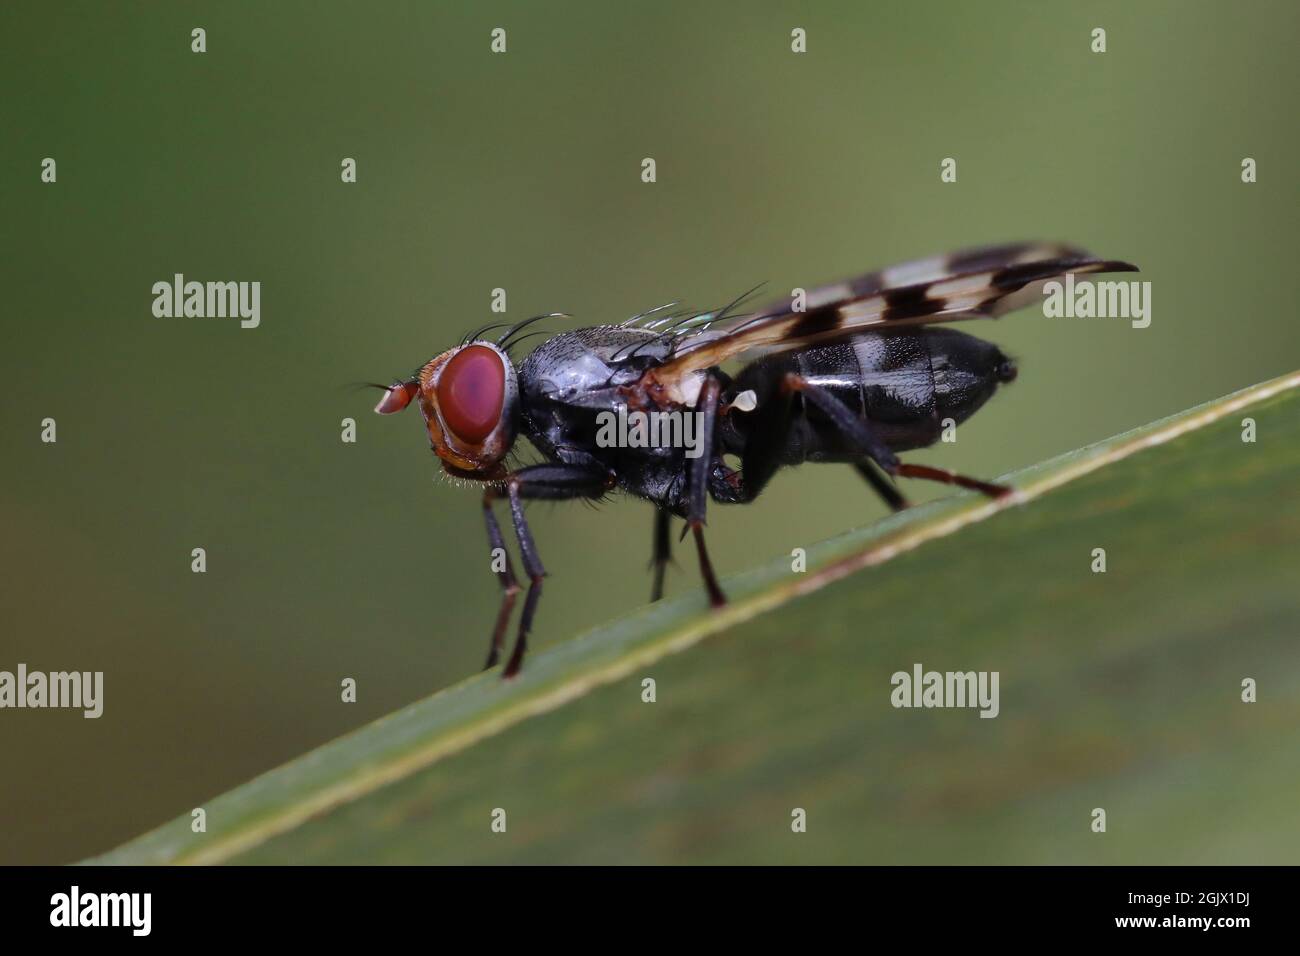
x: 662, y: 552
x: 698, y: 485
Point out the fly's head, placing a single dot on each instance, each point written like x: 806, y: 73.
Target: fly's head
x: 469, y: 396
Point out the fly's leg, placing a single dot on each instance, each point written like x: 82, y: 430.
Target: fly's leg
x: 698, y: 485
x: 952, y: 478
x: 860, y: 432
x: 509, y: 583
x: 769, y: 429
x: 535, y: 571
x: 662, y: 553
x: 768, y: 434
x: 551, y: 482
x: 881, y: 485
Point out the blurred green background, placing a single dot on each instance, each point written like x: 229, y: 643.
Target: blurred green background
x: 328, y: 560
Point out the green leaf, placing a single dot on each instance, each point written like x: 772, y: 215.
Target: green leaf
x: 1119, y: 690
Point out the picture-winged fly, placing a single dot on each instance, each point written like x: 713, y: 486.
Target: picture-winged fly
x: 851, y: 373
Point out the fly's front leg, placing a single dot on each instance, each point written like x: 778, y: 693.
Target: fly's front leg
x: 535, y: 571
x: 506, y: 575
x: 698, y: 485
x: 553, y: 482
x: 662, y: 553
x: 862, y: 435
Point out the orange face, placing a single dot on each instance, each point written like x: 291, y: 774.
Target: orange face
x: 469, y: 397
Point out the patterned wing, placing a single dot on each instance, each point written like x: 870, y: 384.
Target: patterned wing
x: 977, y: 283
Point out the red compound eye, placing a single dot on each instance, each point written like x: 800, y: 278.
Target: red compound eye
x: 471, y: 391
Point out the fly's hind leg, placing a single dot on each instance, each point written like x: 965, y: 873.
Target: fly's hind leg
x: 862, y: 435
x: 952, y: 478
x: 767, y: 436
x: 881, y: 485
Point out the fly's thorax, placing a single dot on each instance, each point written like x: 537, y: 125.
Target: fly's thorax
x: 570, y: 366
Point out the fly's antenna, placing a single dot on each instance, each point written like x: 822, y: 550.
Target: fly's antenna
x: 396, y: 396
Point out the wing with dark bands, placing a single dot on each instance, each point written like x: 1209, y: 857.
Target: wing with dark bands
x: 977, y: 283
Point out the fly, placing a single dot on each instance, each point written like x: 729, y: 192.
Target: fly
x: 855, y: 374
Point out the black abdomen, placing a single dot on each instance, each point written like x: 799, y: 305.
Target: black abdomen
x: 904, y: 384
